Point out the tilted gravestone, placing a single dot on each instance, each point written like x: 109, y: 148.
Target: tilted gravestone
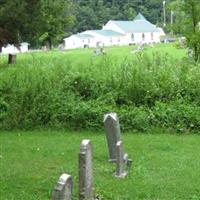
x: 63, y: 189
x: 121, y: 160
x: 113, y: 133
x: 86, y: 187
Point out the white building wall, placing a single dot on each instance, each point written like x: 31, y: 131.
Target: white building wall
x: 146, y: 38
x: 106, y: 40
x: 24, y: 47
x: 72, y: 42
x: 99, y: 39
x: 10, y: 49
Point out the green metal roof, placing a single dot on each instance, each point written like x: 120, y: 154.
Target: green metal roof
x: 83, y: 36
x: 107, y: 33
x: 139, y: 24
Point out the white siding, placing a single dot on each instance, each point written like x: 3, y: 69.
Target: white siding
x: 24, y: 47
x: 10, y: 49
x: 72, y: 42
x: 125, y: 39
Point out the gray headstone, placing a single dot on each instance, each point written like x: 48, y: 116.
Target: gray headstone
x: 121, y: 157
x: 86, y: 187
x: 63, y: 189
x: 113, y: 134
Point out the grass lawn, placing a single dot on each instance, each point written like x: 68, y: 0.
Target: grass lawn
x: 165, y: 166
x: 83, y: 57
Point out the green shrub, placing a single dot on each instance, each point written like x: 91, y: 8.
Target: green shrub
x: 147, y: 91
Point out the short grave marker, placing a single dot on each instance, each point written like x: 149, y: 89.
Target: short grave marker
x: 63, y: 189
x: 121, y: 160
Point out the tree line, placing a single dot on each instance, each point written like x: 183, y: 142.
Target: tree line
x: 47, y: 22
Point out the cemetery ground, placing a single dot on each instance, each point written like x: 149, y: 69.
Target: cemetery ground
x: 165, y: 165
x: 84, y: 57
x: 157, y: 88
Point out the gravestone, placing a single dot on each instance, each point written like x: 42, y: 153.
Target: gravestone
x: 63, y: 189
x: 12, y: 58
x: 113, y: 134
x: 121, y: 160
x: 86, y: 188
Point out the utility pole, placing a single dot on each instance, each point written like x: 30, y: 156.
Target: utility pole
x: 164, y: 13
x: 172, y: 21
x: 172, y: 17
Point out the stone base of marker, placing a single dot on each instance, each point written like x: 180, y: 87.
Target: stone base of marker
x: 122, y: 175
x: 12, y: 58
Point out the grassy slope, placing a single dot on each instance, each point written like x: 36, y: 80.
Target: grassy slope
x: 84, y: 57
x: 165, y: 166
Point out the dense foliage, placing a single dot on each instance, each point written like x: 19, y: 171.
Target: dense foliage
x: 34, y: 21
x: 187, y: 23
x: 92, y: 14
x: 39, y: 21
x: 146, y: 92
x: 49, y: 21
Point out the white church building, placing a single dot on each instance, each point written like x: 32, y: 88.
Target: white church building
x: 116, y: 33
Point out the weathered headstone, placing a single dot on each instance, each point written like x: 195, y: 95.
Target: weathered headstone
x: 86, y: 187
x: 63, y: 189
x: 113, y: 134
x: 12, y: 58
x: 121, y: 160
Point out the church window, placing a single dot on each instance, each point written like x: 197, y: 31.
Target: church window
x: 143, y: 36
x: 133, y: 37
x: 151, y: 36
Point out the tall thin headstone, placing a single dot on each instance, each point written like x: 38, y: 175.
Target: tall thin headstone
x: 113, y: 133
x: 86, y: 187
x: 63, y: 189
x: 121, y: 160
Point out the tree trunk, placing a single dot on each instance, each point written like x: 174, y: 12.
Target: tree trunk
x: 49, y: 43
x: 12, y: 58
x: 196, y: 53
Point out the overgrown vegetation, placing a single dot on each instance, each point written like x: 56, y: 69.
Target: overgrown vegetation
x: 148, y: 90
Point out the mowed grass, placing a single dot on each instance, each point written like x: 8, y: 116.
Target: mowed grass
x: 82, y: 58
x: 166, y: 167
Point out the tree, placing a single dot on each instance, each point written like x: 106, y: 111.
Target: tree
x: 187, y: 22
x: 56, y: 19
x: 34, y: 21
x: 192, y: 25
x: 12, y: 19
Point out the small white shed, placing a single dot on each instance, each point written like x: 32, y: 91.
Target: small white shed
x: 10, y: 49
